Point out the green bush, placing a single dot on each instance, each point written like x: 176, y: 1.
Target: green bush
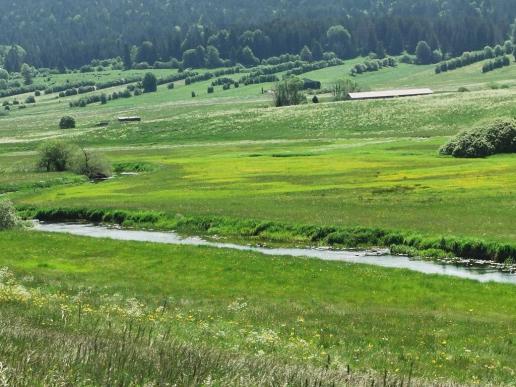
x: 67, y: 122
x: 499, y: 137
x: 8, y: 217
x: 55, y: 156
x: 90, y: 164
x: 150, y: 83
x: 288, y: 92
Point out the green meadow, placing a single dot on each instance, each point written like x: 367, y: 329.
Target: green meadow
x: 206, y: 316
x: 308, y: 320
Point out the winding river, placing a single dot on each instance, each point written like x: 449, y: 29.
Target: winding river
x: 381, y: 258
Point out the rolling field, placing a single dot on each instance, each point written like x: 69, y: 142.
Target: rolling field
x: 216, y: 317
x: 240, y: 315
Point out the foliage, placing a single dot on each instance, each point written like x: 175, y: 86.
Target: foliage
x: 55, y: 156
x: 289, y: 92
x: 424, y: 53
x: 465, y: 59
x: 90, y: 164
x: 342, y: 88
x: 114, y: 30
x: 373, y: 65
x: 496, y: 64
x: 67, y: 122
x: 150, y: 83
x: 8, y: 217
x: 499, y: 137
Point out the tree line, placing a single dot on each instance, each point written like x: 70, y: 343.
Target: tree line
x: 70, y: 33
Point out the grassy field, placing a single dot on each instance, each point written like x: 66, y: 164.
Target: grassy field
x: 241, y: 318
x: 247, y: 307
x: 371, y: 163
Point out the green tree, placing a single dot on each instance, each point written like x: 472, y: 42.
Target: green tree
x: 14, y: 59
x: 128, y: 60
x: 289, y: 92
x: 424, y: 53
x: 4, y: 75
x: 498, y: 50
x: 342, y: 88
x: 67, y: 122
x: 339, y: 41
x: 488, y: 52
x: 317, y: 50
x: 26, y: 73
x: 194, y: 57
x: 306, y: 54
x: 150, y: 83
x: 222, y: 41
x: 380, y: 50
x: 213, y: 57
x: 247, y: 57
x: 90, y: 164
x: 55, y: 156
x: 147, y: 53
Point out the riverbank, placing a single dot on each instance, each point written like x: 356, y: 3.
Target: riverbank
x: 370, y: 257
x: 401, y: 242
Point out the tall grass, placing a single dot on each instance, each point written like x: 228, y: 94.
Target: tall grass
x: 57, y: 339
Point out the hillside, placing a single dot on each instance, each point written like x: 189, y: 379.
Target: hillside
x: 71, y: 33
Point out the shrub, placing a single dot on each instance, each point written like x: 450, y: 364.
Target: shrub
x: 210, y: 89
x: 288, y: 92
x: 170, y: 86
x: 55, y: 156
x: 463, y: 89
x: 90, y: 164
x: 315, y: 99
x: 150, y: 83
x: 311, y: 84
x: 193, y: 94
x: 499, y: 137
x: 30, y: 99
x: 8, y: 217
x: 343, y: 87
x: 67, y: 122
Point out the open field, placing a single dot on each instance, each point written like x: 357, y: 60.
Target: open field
x: 372, y: 164
x: 274, y: 309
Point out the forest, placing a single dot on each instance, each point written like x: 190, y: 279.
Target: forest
x: 71, y: 33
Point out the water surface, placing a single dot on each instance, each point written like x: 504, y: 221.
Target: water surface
x: 378, y: 258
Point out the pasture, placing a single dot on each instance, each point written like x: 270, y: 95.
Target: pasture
x: 176, y: 311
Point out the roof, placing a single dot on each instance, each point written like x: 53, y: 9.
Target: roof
x: 129, y: 118
x: 389, y: 93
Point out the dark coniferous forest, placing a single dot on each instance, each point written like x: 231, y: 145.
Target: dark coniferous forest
x: 70, y: 33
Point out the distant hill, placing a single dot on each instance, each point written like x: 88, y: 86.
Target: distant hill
x: 73, y: 32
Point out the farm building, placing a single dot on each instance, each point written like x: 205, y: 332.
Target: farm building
x: 389, y: 94
x: 129, y: 119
